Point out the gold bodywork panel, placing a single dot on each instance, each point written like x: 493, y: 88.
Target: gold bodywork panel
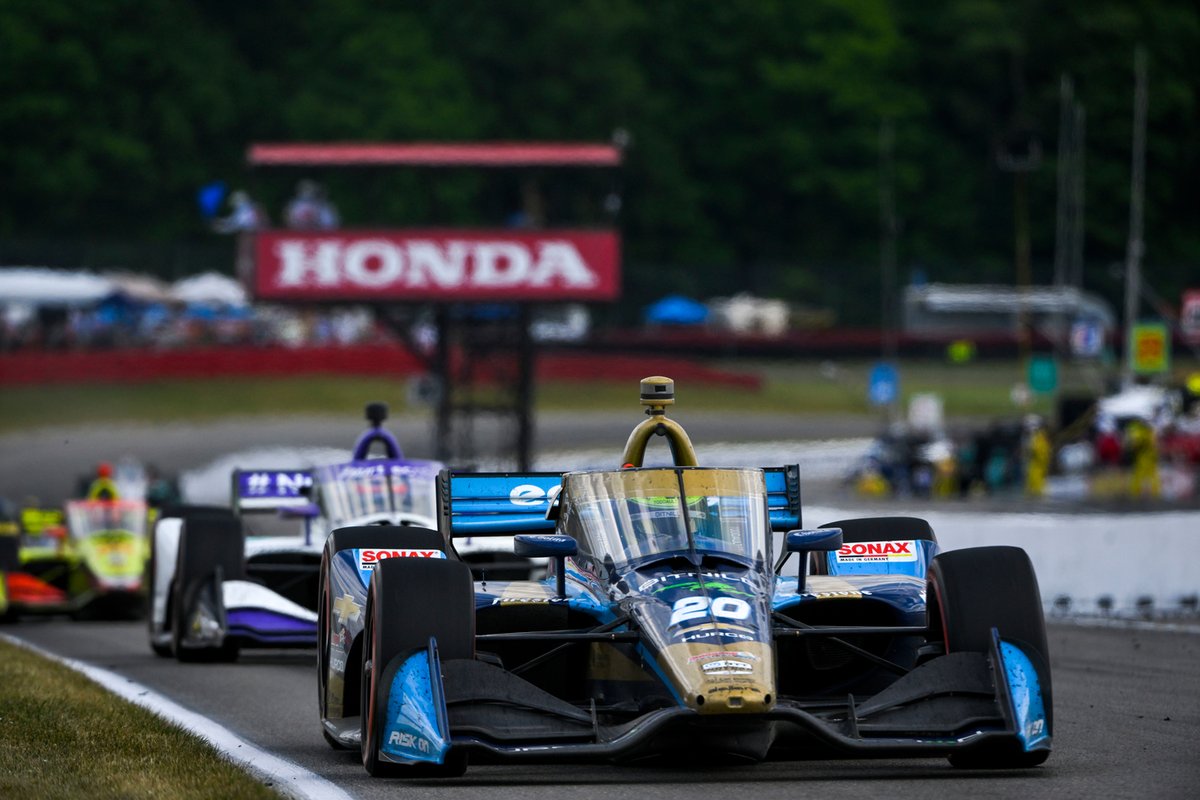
x: 723, y: 678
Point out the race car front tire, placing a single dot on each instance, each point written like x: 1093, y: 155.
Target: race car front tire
x: 354, y: 538
x: 972, y: 591
x: 10, y: 561
x: 211, y: 550
x: 418, y: 598
x: 182, y: 513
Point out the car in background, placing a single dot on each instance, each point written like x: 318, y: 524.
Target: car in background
x: 87, y: 560
x: 218, y: 584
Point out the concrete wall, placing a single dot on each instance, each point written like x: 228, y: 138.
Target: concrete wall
x: 1083, y: 556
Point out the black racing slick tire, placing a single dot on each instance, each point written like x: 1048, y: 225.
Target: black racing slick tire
x: 410, y: 600
x: 972, y: 591
x: 10, y: 561
x: 181, y: 513
x: 880, y: 529
x: 10, y: 553
x: 211, y: 550
x: 354, y: 538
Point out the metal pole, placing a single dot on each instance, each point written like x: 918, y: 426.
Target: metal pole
x: 1065, y: 165
x: 1024, y: 273
x: 887, y: 249
x: 444, y: 434
x: 1075, y: 275
x: 526, y: 370
x: 1133, y: 253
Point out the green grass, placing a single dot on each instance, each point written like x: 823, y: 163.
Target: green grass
x: 62, y: 736
x: 189, y: 400
x: 970, y: 390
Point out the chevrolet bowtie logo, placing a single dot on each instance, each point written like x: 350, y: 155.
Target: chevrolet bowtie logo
x: 346, y: 609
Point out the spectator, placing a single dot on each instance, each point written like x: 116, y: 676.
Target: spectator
x: 310, y: 210
x: 1108, y: 442
x: 1143, y: 446
x: 244, y: 215
x: 1037, y: 456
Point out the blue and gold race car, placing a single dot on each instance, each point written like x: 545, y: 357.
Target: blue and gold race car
x: 687, y: 614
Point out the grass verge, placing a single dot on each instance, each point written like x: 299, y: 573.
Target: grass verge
x: 63, y: 736
x: 980, y: 389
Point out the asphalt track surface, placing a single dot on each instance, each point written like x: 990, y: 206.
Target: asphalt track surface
x: 1127, y: 700
x: 46, y: 463
x: 1127, y: 719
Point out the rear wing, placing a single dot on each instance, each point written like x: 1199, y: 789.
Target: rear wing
x: 507, y: 503
x: 36, y: 520
x: 495, y: 503
x: 258, y: 490
x: 783, y: 497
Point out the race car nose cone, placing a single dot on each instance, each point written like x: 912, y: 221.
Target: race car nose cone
x: 734, y: 700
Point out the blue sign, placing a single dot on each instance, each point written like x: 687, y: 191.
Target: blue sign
x: 883, y: 387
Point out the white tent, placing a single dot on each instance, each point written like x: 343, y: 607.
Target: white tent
x: 141, y: 288
x: 209, y: 287
x: 37, y: 286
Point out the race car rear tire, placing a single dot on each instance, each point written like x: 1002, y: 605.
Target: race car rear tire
x: 972, y: 591
x: 410, y: 600
x: 355, y: 538
x: 181, y: 512
x: 880, y: 529
x: 10, y: 553
x: 10, y: 561
x: 211, y: 550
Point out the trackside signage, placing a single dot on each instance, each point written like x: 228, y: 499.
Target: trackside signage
x: 860, y: 552
x: 437, y: 265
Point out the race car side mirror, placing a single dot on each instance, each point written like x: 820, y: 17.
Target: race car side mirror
x: 808, y: 541
x: 300, y: 511
x: 543, y: 545
x: 820, y: 539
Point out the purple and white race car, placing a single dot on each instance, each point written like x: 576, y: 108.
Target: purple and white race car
x: 214, y: 589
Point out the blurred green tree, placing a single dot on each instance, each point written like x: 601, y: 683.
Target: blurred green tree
x: 754, y: 127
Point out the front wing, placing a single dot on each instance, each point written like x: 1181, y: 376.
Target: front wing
x: 955, y: 703
x: 248, y: 615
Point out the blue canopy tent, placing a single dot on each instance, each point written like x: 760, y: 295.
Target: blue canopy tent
x: 676, y: 310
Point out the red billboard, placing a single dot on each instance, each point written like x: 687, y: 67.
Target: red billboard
x: 437, y: 265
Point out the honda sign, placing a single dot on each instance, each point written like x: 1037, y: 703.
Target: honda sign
x: 424, y: 265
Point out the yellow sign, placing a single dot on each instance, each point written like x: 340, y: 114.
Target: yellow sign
x: 1150, y: 348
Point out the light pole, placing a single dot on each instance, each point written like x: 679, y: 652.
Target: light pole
x: 1020, y: 161
x: 1137, y: 189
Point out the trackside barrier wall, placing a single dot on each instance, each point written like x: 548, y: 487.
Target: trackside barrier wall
x: 373, y: 360
x: 1082, y: 557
